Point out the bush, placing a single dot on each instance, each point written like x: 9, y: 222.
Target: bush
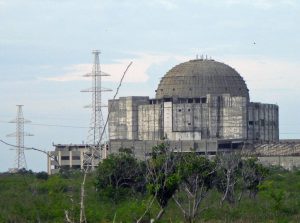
x: 42, y: 175
x: 120, y: 175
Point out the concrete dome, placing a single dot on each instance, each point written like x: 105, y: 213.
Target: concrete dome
x: 197, y: 78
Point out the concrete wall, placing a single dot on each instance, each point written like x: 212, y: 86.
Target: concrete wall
x: 216, y: 117
x: 150, y: 122
x: 263, y: 123
x: 222, y: 117
x: 123, y: 121
x: 143, y: 149
x: 191, y: 117
x: 287, y: 162
x: 135, y: 118
x: 68, y: 156
x: 233, y: 117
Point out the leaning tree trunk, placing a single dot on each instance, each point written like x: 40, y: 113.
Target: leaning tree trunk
x: 161, y: 212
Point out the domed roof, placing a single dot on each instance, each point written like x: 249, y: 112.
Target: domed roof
x: 197, y: 78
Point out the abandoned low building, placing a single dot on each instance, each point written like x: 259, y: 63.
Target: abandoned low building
x: 72, y: 156
x: 201, y: 104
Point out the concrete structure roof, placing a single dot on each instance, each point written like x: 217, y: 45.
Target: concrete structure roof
x: 197, y: 78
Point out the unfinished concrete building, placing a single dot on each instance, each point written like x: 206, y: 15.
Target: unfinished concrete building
x: 70, y: 156
x: 202, y: 105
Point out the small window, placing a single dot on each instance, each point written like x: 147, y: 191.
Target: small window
x: 179, y: 110
x: 65, y: 158
x: 250, y: 122
x: 75, y: 157
x: 189, y: 123
x: 173, y: 89
x: 197, y: 100
x: 203, y: 100
x: 189, y: 110
x: 190, y: 100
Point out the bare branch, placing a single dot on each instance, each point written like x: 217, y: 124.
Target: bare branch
x: 32, y: 148
x: 108, y: 115
x: 82, y: 195
x: 67, y: 217
x: 179, y: 205
x: 82, y: 208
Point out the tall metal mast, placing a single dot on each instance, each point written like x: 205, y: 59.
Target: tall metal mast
x: 92, y: 158
x: 20, y: 161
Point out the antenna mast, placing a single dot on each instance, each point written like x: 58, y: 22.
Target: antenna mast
x: 20, y: 161
x: 94, y: 154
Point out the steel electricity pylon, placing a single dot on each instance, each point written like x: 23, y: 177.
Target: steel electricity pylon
x: 20, y: 161
x: 94, y: 154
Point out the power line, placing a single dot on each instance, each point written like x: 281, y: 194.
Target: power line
x: 62, y: 126
x: 51, y: 125
x: 32, y: 148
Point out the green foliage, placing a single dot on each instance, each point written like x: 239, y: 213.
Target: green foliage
x: 68, y: 173
x: 276, y: 195
x: 23, y: 171
x: 42, y: 175
x: 24, y: 198
x: 162, y: 176
x: 120, y: 175
x: 197, y: 175
x: 194, y: 167
x: 253, y: 174
x: 126, y: 150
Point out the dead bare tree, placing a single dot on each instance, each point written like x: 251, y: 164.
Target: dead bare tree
x: 228, y: 175
x: 82, y: 218
x: 153, y: 198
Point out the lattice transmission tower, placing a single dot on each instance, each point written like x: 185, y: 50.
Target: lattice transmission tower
x: 96, y: 129
x: 20, y: 161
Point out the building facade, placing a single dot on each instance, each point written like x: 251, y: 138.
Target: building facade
x: 202, y: 105
x: 71, y: 156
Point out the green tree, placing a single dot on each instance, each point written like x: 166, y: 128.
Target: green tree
x: 42, y: 175
x: 197, y: 175
x: 253, y: 173
x: 162, y: 175
x: 120, y: 175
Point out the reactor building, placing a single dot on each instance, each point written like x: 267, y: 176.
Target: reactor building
x: 200, y: 105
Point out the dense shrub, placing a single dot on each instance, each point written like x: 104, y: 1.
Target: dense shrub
x: 120, y: 175
x: 42, y: 175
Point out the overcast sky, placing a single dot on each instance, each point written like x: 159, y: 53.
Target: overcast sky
x: 45, y: 47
